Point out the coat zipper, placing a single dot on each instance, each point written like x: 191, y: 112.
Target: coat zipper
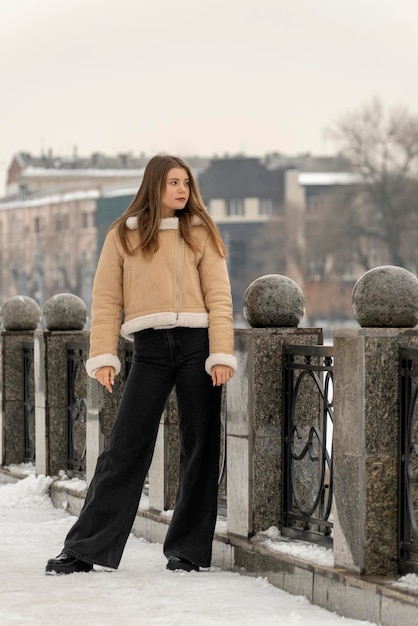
x: 180, y: 247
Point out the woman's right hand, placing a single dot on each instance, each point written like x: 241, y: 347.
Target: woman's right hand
x: 106, y: 377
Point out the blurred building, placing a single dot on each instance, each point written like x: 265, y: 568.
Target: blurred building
x: 29, y: 175
x: 48, y: 221
x: 267, y: 210
x: 57, y: 210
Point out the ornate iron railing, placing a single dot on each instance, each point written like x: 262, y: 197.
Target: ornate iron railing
x: 76, y: 408
x: 28, y: 404
x: 408, y: 461
x: 222, y: 480
x: 307, y: 443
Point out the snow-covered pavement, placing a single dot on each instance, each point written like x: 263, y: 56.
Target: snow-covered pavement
x: 141, y: 592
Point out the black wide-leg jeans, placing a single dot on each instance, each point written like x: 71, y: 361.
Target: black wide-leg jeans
x: 162, y: 359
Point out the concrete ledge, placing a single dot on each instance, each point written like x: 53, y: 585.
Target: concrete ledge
x: 9, y: 477
x: 377, y: 599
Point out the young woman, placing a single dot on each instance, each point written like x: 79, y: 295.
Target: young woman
x: 162, y: 268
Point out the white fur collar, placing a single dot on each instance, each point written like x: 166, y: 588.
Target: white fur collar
x: 167, y: 223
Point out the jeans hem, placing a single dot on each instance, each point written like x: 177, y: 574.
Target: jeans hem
x: 76, y: 555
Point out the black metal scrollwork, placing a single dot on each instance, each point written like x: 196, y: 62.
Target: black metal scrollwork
x: 408, y: 461
x: 307, y: 448
x: 28, y: 404
x: 76, y: 409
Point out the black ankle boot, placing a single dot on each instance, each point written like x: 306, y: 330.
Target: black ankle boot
x: 178, y: 563
x: 66, y: 564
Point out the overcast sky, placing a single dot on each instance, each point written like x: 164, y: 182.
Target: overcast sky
x: 197, y: 76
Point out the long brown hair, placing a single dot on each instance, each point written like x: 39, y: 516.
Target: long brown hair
x: 146, y: 206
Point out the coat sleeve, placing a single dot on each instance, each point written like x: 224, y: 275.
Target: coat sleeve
x: 216, y: 291
x: 107, y: 308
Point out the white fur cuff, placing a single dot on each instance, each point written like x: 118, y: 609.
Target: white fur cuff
x: 219, y: 358
x: 103, y: 360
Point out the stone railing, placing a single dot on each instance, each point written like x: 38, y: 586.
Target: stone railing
x: 53, y: 414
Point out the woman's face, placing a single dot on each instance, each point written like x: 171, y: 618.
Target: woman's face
x: 176, y: 192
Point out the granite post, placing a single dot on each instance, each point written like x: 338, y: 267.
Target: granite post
x: 366, y: 420
x: 64, y: 316
x: 20, y: 316
x: 274, y: 306
x: 110, y: 401
x: 255, y: 426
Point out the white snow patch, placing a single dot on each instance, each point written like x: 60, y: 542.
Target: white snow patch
x: 22, y: 468
x: 409, y: 581
x: 273, y: 540
x: 31, y: 491
x: 76, y: 484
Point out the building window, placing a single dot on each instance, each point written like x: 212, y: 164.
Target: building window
x: 84, y: 219
x: 16, y: 227
x: 23, y: 191
x: 375, y: 257
x: 349, y: 271
x: 37, y: 224
x: 312, y: 202
x: 56, y: 273
x: 62, y: 222
x: 266, y: 206
x: 66, y: 263
x: 237, y: 258
x: 316, y: 270
x: 235, y: 207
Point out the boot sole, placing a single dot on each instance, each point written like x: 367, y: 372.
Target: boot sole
x: 56, y: 570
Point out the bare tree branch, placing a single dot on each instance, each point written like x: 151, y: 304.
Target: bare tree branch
x: 382, y: 147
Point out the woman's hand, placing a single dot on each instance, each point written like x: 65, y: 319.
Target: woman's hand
x: 221, y: 374
x: 106, y: 377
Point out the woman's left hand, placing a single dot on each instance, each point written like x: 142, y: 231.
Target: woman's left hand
x: 221, y: 374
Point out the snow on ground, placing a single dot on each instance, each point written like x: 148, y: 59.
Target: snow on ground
x: 141, y: 591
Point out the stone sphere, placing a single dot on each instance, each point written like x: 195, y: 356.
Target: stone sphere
x: 386, y: 296
x: 65, y: 311
x: 20, y: 313
x: 273, y: 300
